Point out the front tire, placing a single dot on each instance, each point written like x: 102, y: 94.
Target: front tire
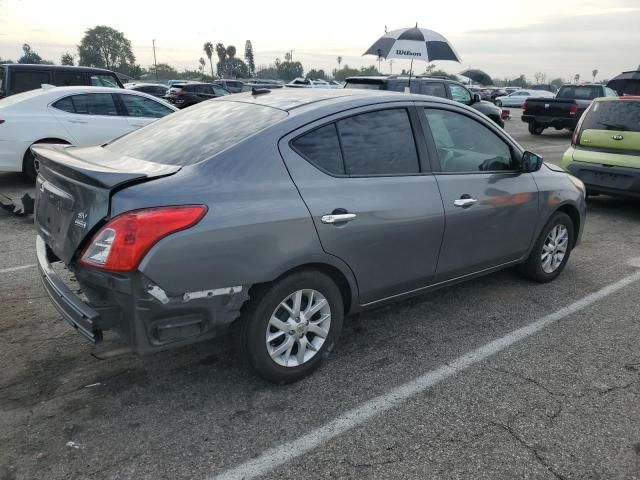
x: 551, y: 251
x: 535, y: 129
x: 290, y: 326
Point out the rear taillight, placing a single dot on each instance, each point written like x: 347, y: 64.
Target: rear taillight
x: 573, y: 109
x: 525, y: 105
x: 124, y: 241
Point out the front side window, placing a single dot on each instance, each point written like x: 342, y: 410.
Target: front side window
x: 88, y: 104
x: 465, y: 145
x: 138, y: 106
x: 100, y: 80
x: 459, y: 93
x: 218, y: 91
x: 25, y: 81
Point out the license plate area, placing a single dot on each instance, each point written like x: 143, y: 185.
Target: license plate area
x: 605, y: 179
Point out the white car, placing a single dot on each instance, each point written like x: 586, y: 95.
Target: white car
x: 308, y: 83
x: 517, y: 98
x: 80, y: 116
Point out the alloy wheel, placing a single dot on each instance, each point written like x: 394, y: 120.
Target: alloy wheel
x: 298, y: 328
x: 554, y: 248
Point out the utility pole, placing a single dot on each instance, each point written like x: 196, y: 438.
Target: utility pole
x: 155, y: 63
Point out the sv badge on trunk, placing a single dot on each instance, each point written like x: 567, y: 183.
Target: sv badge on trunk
x: 81, y: 220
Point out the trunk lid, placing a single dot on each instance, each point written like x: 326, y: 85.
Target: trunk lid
x: 74, y: 188
x: 549, y: 107
x: 611, y: 140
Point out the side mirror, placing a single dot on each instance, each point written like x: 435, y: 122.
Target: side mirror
x: 476, y: 98
x: 530, y: 162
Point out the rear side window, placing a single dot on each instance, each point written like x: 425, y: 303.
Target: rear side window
x: 100, y: 80
x: 366, y: 86
x: 88, y: 104
x: 25, y: 81
x: 138, y: 106
x: 219, y: 91
x: 373, y: 143
x: 435, y: 89
x: 197, y: 133
x: 68, y: 79
x: 321, y: 147
x: 621, y: 115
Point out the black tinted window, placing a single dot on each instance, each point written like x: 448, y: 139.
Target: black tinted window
x: 25, y: 81
x: 104, y: 80
x: 465, y: 145
x: 65, y: 79
x: 322, y: 148
x: 65, y: 105
x: 582, y: 92
x: 622, y: 115
x: 433, y: 88
x: 138, y: 106
x: 88, y: 104
x: 197, y: 133
x: 378, y: 143
x: 366, y: 86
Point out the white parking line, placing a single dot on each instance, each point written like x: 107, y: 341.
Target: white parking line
x: 274, y: 457
x: 14, y: 269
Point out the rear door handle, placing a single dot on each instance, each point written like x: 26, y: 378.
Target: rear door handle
x: 338, y: 218
x: 464, y: 202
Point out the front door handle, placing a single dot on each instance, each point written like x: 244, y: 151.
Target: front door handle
x: 338, y: 218
x: 78, y: 121
x: 464, y: 202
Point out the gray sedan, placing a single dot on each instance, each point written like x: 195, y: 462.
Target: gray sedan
x: 276, y: 214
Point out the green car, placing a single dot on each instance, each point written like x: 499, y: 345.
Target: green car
x: 605, y: 148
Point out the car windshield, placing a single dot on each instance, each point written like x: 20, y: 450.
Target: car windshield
x: 622, y: 115
x: 582, y: 92
x: 198, y: 133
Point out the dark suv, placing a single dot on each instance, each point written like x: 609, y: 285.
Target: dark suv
x: 183, y: 95
x: 434, y: 86
x: 20, y: 77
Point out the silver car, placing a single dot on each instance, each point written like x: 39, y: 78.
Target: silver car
x: 277, y: 213
x: 517, y: 98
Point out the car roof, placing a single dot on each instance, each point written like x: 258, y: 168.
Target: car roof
x: 290, y: 99
x: 30, y: 66
x: 141, y: 84
x: 626, y: 98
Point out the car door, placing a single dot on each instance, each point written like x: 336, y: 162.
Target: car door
x: 490, y: 207
x: 90, y: 118
x: 373, y: 205
x: 141, y: 111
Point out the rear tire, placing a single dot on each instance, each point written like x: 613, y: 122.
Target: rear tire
x: 29, y: 165
x: 297, y: 347
x: 544, y: 263
x: 535, y: 129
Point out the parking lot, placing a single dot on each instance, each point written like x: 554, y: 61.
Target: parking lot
x: 435, y: 387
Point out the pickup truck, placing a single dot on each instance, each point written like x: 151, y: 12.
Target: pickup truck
x: 564, y: 110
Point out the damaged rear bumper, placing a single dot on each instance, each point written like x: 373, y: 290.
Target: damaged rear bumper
x: 145, y: 316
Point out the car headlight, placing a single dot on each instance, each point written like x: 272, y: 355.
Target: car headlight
x: 578, y: 183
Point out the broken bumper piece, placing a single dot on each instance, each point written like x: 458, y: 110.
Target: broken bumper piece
x: 140, y: 312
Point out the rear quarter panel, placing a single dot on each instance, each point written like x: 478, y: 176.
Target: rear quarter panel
x: 257, y: 226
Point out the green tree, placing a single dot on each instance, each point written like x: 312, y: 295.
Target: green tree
x: 267, y: 72
x: 316, y: 74
x: 287, y: 71
x: 557, y: 82
x: 165, y: 71
x: 221, y: 66
x: 593, y: 74
x: 346, y: 71
x: 208, y: 50
x: 2, y: 60
x: 231, y: 52
x: 442, y: 73
x: 66, y: 59
x: 28, y: 55
x: 521, y: 81
x: 201, y: 64
x: 248, y: 58
x: 106, y: 47
x: 339, y: 59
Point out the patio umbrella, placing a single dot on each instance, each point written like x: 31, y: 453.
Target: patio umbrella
x: 627, y: 83
x: 477, y: 76
x: 414, y: 44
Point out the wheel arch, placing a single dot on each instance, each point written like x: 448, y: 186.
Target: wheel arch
x: 42, y: 140
x: 574, y: 215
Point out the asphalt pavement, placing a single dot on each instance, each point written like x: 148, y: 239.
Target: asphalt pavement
x: 496, y: 378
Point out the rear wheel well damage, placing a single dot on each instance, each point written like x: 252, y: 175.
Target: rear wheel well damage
x: 332, y: 272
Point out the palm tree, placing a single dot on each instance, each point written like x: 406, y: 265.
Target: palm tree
x: 339, y: 62
x: 594, y: 73
x: 577, y: 77
x: 231, y: 52
x: 208, y: 50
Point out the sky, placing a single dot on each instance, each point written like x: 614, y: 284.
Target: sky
x: 504, y: 38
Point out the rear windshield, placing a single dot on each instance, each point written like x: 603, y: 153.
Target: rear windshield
x: 584, y: 92
x: 197, y: 133
x: 365, y: 85
x: 621, y: 115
